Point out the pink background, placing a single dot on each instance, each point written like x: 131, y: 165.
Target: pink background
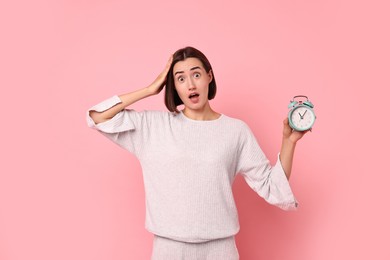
x: 67, y: 192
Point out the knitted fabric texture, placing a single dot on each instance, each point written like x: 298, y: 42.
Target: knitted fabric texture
x: 189, y: 167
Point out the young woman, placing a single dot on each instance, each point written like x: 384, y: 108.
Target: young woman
x: 190, y: 159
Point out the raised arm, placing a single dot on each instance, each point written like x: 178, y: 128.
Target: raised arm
x: 132, y: 97
x: 290, y: 138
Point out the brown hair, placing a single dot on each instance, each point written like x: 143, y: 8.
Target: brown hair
x: 172, y: 99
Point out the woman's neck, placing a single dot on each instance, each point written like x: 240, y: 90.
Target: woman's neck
x: 205, y: 114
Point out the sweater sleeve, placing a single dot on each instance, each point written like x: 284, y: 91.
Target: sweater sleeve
x: 269, y: 182
x: 123, y: 128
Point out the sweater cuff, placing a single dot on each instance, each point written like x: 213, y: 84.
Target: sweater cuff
x: 289, y: 202
x: 119, y: 123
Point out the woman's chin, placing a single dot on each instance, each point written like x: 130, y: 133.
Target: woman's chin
x: 195, y: 106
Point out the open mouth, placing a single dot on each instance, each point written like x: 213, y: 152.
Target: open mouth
x: 193, y: 95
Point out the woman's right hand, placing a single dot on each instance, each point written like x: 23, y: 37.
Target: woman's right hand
x: 159, y: 83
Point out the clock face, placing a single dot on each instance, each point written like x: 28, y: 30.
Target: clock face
x: 302, y: 118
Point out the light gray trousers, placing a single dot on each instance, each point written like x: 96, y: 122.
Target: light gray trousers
x: 219, y: 249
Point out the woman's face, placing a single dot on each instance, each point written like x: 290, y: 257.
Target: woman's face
x: 192, y: 83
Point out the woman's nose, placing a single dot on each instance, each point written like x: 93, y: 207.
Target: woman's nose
x: 191, y: 84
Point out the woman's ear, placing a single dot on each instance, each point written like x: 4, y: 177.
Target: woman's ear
x: 210, y: 76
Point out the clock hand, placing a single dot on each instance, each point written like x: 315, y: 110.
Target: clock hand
x: 300, y: 115
x: 304, y: 114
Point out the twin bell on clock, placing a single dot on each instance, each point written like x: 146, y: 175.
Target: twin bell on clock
x: 301, y: 116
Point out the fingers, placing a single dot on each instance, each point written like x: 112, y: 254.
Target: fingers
x: 287, y: 125
x: 169, y: 63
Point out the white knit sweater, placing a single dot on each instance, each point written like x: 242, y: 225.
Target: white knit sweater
x: 189, y: 167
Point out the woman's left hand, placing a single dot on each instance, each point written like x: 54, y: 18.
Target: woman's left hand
x: 290, y: 134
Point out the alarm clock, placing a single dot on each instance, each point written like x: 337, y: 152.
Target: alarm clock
x: 301, y: 116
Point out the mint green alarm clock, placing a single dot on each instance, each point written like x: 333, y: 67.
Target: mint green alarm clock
x: 301, y: 116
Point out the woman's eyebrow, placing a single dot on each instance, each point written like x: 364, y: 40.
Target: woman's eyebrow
x: 194, y: 68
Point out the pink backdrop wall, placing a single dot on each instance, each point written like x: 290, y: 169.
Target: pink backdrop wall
x: 66, y: 192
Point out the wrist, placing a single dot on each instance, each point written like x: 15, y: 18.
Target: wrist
x: 288, y: 142
x: 149, y: 91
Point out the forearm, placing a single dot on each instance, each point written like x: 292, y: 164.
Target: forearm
x: 132, y: 97
x: 287, y: 155
x: 127, y: 99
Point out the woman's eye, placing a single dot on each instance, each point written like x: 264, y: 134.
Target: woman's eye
x: 197, y: 75
x: 180, y: 79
